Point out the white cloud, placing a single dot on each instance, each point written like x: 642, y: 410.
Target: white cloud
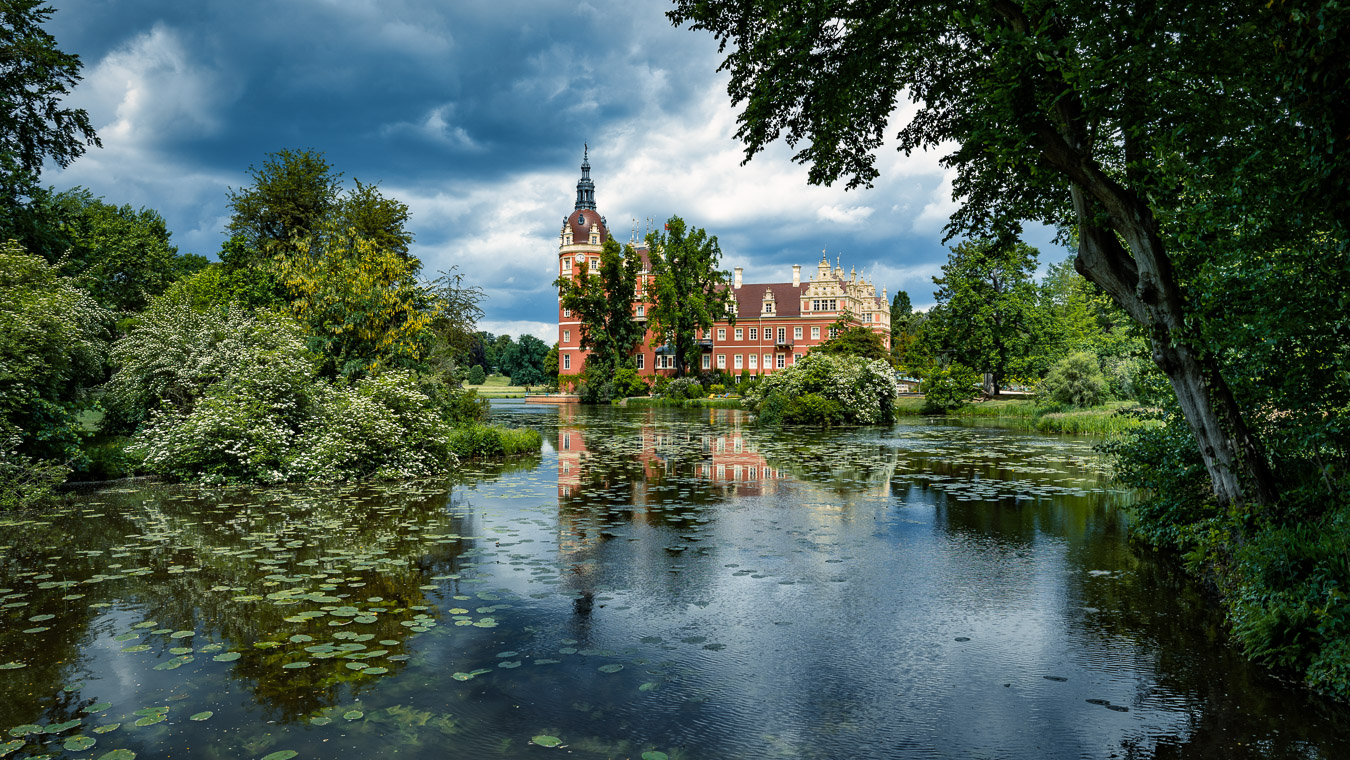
x: 939, y: 208
x: 850, y: 216
x: 545, y: 331
x: 436, y: 126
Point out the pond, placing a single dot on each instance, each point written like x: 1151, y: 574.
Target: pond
x: 657, y: 584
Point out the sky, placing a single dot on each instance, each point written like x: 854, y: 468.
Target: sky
x: 474, y: 114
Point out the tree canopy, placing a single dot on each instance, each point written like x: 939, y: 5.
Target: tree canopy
x: 688, y: 293
x: 1151, y: 132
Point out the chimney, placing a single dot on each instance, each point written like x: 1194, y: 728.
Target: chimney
x: 736, y: 284
x: 796, y: 275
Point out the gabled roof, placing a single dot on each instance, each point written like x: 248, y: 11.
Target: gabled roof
x: 787, y: 299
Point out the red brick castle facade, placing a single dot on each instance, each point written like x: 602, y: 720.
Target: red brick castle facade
x: 776, y: 322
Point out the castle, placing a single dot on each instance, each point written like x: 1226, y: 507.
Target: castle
x: 776, y: 323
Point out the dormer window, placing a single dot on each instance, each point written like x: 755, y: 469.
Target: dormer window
x: 768, y: 307
x: 595, y: 239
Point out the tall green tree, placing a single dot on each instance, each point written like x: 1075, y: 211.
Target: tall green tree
x: 291, y: 196
x: 987, y: 318
x: 35, y: 76
x: 689, y: 293
x: 523, y: 361
x: 903, y: 324
x: 603, y: 301
x: 1144, y: 128
x: 854, y: 340
x: 379, y: 219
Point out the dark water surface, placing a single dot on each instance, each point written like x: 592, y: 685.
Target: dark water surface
x: 664, y: 582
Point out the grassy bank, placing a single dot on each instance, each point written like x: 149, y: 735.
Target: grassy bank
x: 493, y: 442
x: 707, y: 403
x: 1108, y: 419
x: 499, y: 386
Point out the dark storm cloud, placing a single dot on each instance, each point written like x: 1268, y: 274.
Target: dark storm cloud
x: 474, y: 114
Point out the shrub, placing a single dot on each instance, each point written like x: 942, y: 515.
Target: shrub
x: 948, y: 388
x: 681, y: 388
x: 717, y: 389
x: 627, y: 383
x: 24, y: 481
x: 860, y: 391
x: 477, y: 376
x: 1076, y: 380
x: 488, y: 441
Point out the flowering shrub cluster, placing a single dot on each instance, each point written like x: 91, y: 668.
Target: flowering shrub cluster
x: 232, y: 396
x: 824, y: 389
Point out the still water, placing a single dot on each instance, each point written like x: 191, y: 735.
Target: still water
x: 658, y: 584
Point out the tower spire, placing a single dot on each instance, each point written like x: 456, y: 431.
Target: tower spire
x: 585, y: 187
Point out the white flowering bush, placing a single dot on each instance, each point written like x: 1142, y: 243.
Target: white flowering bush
x: 821, y: 388
x: 244, y: 403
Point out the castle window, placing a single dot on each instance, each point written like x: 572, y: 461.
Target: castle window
x: 567, y: 312
x: 567, y: 336
x: 721, y: 361
x: 641, y: 360
x: 707, y: 360
x: 721, y: 334
x: 767, y: 358
x: 595, y: 239
x: 768, y: 307
x: 754, y: 361
x: 815, y: 333
x: 782, y: 335
x: 642, y: 310
x: 754, y: 334
x: 737, y: 361
x: 567, y: 361
x: 740, y: 334
x: 797, y: 333
x: 796, y: 358
x: 782, y: 360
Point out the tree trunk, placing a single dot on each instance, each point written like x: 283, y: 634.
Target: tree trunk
x: 1143, y: 284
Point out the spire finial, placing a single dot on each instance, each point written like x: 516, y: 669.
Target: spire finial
x: 585, y: 187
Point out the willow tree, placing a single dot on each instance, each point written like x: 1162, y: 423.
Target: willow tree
x: 689, y: 293
x: 1131, y: 126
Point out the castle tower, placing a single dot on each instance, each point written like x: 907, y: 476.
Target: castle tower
x: 580, y: 241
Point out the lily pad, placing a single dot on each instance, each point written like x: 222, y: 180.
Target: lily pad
x: 78, y: 743
x: 544, y: 740
x: 109, y: 728
x: 26, y: 729
x: 13, y: 666
x: 227, y: 657
x: 353, y: 715
x: 97, y: 707
x: 118, y: 754
x: 9, y: 747
x: 285, y: 754
x: 151, y: 720
x: 375, y: 671
x: 322, y: 720
x: 655, y: 755
x: 296, y: 665
x: 613, y: 667
x: 203, y: 715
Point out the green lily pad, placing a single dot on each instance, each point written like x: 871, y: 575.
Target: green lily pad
x: 151, y: 720
x: 97, y: 707
x: 13, y: 666
x: 109, y: 728
x: 613, y: 667
x: 37, y: 629
x: 353, y: 715
x: 9, y: 747
x: 655, y: 755
x: 59, y: 727
x: 137, y: 648
x: 647, y: 686
x: 322, y: 720
x: 544, y: 740
x: 182, y: 634
x: 508, y: 665
x: 78, y: 743
x: 227, y: 657
x: 40, y: 618
x: 26, y: 729
x: 375, y: 671
x: 296, y: 665
x: 203, y: 715
x: 118, y: 754
x: 285, y: 754
x: 300, y: 638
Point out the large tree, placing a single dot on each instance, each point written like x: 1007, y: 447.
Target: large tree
x: 689, y: 293
x: 603, y: 301
x: 988, y: 309
x: 292, y: 194
x: 1144, y: 128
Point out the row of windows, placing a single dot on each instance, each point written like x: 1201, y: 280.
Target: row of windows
x: 824, y: 304
x: 752, y: 361
x: 754, y: 333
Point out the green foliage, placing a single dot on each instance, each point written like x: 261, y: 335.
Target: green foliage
x: 986, y: 316
x: 490, y: 441
x: 121, y: 255
x: 292, y: 194
x: 688, y: 293
x: 551, y: 363
x: 681, y: 388
x: 855, y: 341
x: 523, y: 360
x: 948, y: 388
x: 34, y: 125
x: 53, y: 347
x: 25, y: 482
x: 859, y: 391
x: 1075, y: 380
x: 366, y: 213
x: 476, y: 375
x: 717, y: 389
x: 603, y: 302
x: 628, y: 383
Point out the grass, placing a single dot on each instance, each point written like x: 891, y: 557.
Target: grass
x: 499, y: 386
x: 1103, y: 420
x: 493, y: 441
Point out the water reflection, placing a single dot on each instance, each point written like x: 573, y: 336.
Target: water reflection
x: 659, y: 581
